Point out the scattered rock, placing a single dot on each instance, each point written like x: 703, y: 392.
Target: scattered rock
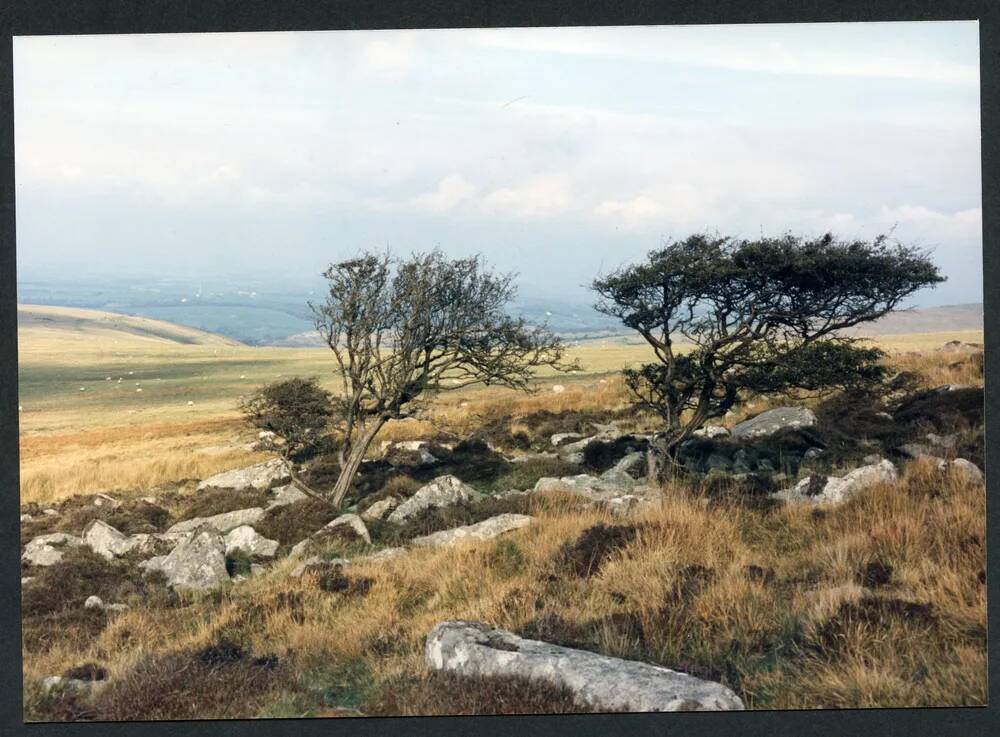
x: 383, y: 555
x: 222, y: 522
x: 251, y: 542
x: 47, y: 550
x: 968, y: 469
x: 261, y: 476
x: 600, y: 682
x: 711, y: 431
x: 558, y: 389
x: 50, y: 512
x: 350, y: 522
x: 116, y: 608
x: 773, y: 420
x: 104, y: 539
x: 627, y: 471
x: 26, y: 517
x: 820, y: 489
x: 488, y: 528
x: 285, y: 495
x: 443, y: 491
x: 561, y: 438
x: 93, y: 602
x: 619, y: 498
x: 101, y: 500
x: 348, y: 527
x: 957, y: 346
x: 197, y: 563
x: 58, y: 684
x: 408, y: 453
x: 380, y: 509
x: 812, y: 453
x: 315, y: 564
x: 942, y: 441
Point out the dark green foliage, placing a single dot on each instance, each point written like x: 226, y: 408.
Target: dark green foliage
x: 448, y: 694
x: 943, y: 411
x: 291, y: 523
x: 444, y: 518
x: 52, y: 605
x: 238, y: 563
x: 87, y: 672
x: 600, y: 455
x: 296, y: 410
x: 210, y: 502
x: 130, y: 517
x: 765, y: 317
x: 585, y: 556
x: 526, y: 474
x: 506, y: 557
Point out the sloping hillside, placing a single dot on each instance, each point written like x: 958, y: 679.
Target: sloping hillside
x: 45, y: 323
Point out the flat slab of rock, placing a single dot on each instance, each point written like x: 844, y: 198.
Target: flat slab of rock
x: 47, y: 550
x: 485, y: 530
x: 222, y: 522
x: 597, y: 681
x: 251, y: 542
x: 380, y: 509
x: 831, y: 489
x: 285, y: 495
x: 441, y: 492
x: 261, y: 476
x: 383, y: 555
x: 198, y: 563
x: 774, y: 420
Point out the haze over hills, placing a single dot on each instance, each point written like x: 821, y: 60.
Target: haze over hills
x: 275, y: 311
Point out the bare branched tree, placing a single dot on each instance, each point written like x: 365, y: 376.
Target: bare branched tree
x: 402, y: 330
x: 731, y: 319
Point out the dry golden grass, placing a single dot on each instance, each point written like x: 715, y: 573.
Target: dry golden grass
x: 809, y: 635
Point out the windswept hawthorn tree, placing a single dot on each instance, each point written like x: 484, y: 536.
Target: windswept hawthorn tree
x: 402, y: 330
x: 732, y: 319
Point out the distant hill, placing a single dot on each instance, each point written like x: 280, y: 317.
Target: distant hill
x: 927, y: 320
x: 42, y: 322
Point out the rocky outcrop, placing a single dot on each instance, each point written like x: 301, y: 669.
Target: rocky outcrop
x: 198, y: 562
x: 774, y: 420
x: 380, y: 509
x: 408, y: 453
x: 347, y: 527
x: 615, y: 495
x: 222, y: 522
x: 627, y: 472
x: 711, y: 431
x: 251, y: 542
x: 969, y: 470
x: 485, y: 530
x: 596, y: 681
x: 105, y: 540
x: 443, y: 491
x: 47, y: 550
x: 285, y: 495
x: 831, y: 489
x: 261, y: 476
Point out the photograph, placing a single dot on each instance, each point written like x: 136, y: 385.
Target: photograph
x: 500, y: 371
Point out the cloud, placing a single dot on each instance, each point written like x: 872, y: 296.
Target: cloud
x: 770, y: 49
x: 390, y: 57
x: 450, y: 192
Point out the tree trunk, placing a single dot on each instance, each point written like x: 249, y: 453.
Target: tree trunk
x: 353, y: 462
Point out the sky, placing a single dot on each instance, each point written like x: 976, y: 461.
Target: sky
x: 557, y: 153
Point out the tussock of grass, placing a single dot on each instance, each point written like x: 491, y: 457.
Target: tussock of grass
x: 879, y: 601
